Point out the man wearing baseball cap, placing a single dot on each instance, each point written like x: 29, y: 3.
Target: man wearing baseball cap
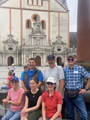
x: 74, y: 88
x: 54, y: 71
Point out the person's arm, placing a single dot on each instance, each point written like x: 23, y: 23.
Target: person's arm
x: 39, y: 84
x: 61, y: 85
x: 40, y: 79
x: 25, y: 110
x: 59, y: 107
x: 6, y: 83
x: 25, y: 107
x: 23, y: 86
x: 6, y: 100
x: 19, y: 100
x: 8, y: 68
x: 86, y: 87
x: 43, y: 111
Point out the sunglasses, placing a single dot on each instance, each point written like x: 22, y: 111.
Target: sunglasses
x: 14, y: 81
x: 70, y: 59
x: 49, y: 83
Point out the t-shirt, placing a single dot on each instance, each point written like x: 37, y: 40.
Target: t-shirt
x: 9, y: 78
x: 51, y: 102
x: 12, y: 69
x: 14, y: 96
x: 33, y: 98
x: 56, y: 72
x: 30, y: 73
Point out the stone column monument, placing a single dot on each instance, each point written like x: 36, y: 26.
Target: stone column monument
x: 83, y: 31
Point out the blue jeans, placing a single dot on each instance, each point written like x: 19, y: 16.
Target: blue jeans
x: 10, y: 115
x: 80, y: 106
x: 5, y: 87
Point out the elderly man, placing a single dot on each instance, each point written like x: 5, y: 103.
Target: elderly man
x: 74, y: 88
x: 31, y: 72
x: 57, y: 72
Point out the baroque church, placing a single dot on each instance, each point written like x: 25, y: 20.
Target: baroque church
x: 34, y: 28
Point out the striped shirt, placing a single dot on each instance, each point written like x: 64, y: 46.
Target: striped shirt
x: 74, y: 77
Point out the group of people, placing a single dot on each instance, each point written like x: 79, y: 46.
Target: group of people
x: 60, y: 85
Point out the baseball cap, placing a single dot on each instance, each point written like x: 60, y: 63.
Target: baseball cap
x: 13, y: 64
x: 51, y: 79
x: 70, y: 55
x: 15, y: 78
x: 51, y: 57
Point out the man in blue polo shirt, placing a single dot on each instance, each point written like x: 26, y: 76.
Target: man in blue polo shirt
x: 74, y: 88
x: 31, y: 72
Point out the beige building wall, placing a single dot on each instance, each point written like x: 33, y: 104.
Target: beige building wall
x: 54, y: 27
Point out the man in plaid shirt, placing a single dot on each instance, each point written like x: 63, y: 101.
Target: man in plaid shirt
x: 74, y: 82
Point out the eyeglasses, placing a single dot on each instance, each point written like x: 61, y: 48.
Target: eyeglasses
x: 49, y: 83
x: 71, y: 60
x: 14, y: 81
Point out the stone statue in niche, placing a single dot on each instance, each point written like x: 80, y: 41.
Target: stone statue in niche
x: 38, y: 42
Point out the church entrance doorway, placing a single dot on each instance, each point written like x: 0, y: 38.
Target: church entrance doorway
x: 59, y: 60
x: 10, y: 60
x: 38, y: 61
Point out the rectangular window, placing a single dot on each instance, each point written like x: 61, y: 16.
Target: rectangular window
x: 30, y: 2
x: 35, y: 2
x: 39, y: 2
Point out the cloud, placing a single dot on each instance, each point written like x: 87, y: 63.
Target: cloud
x: 72, y: 6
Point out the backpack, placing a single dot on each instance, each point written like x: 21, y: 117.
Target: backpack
x: 26, y: 76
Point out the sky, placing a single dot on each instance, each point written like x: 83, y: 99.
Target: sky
x: 72, y: 6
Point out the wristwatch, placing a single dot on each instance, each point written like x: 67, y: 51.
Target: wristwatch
x: 10, y: 101
x: 86, y: 89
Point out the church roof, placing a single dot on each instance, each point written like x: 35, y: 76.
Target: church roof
x: 58, y: 1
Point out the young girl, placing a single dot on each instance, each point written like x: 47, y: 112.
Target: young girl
x: 15, y: 97
x: 51, y: 102
x: 32, y: 108
x: 8, y: 84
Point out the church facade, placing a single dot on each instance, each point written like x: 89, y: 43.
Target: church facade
x: 33, y: 28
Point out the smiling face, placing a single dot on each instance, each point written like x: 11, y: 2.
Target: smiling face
x: 50, y: 86
x: 33, y: 84
x: 70, y: 61
x: 14, y: 84
x: 51, y: 63
x: 32, y: 64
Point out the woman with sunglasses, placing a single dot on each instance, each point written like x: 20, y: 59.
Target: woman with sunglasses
x: 16, y: 98
x: 51, y: 102
x: 32, y: 108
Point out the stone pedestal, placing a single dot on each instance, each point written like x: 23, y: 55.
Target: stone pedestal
x: 83, y: 31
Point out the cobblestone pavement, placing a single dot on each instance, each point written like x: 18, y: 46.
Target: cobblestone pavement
x: 18, y: 70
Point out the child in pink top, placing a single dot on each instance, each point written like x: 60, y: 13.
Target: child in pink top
x: 16, y: 98
x: 8, y: 84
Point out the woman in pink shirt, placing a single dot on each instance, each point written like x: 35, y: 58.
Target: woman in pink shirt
x: 16, y: 98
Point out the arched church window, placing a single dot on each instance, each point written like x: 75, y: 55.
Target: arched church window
x: 10, y: 48
x: 28, y: 23
x: 35, y: 18
x: 43, y: 24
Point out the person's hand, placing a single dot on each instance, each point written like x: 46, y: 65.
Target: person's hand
x: 26, y: 90
x: 82, y: 91
x: 24, y: 111
x: 5, y: 101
